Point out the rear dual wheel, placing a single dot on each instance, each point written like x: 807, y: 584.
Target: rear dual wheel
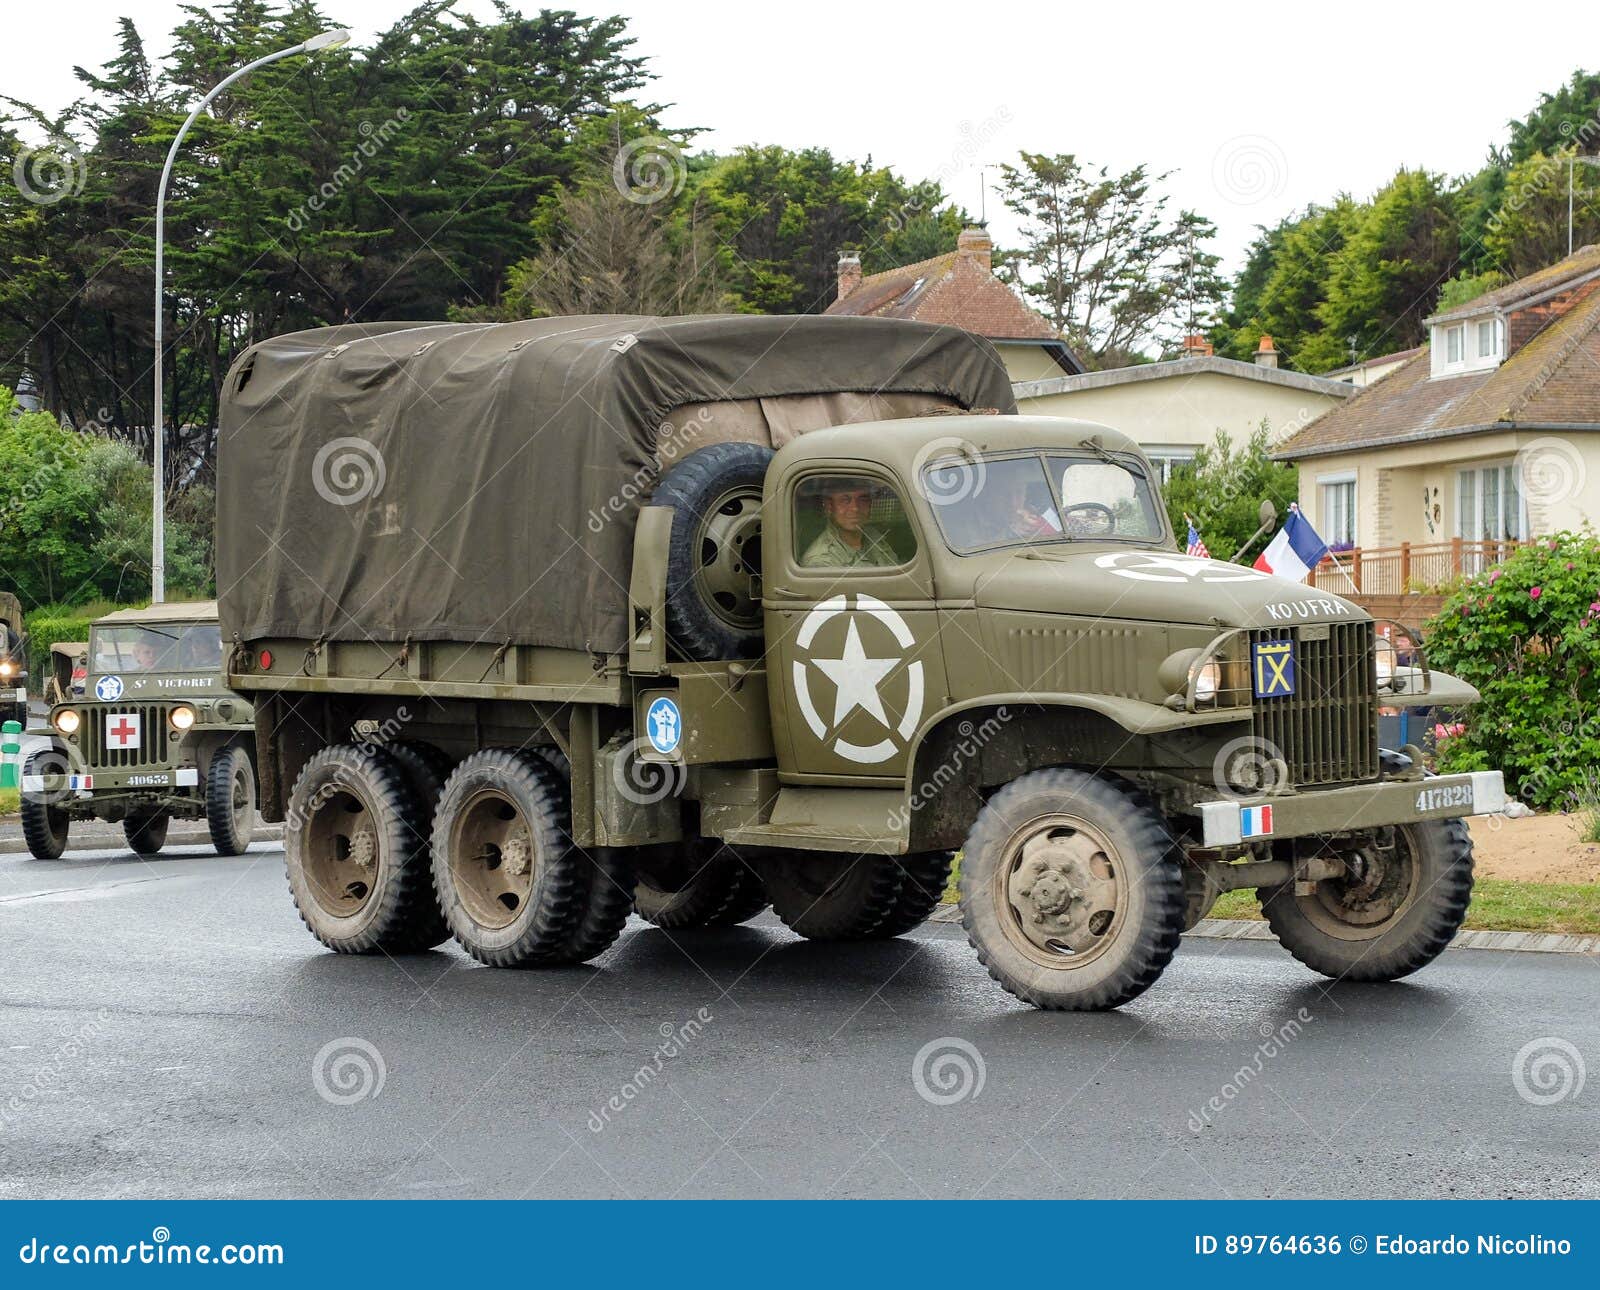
x: 514, y: 888
x: 723, y: 892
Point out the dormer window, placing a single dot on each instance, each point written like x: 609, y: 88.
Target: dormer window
x: 1473, y: 345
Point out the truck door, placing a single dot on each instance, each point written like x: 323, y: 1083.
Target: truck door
x: 853, y: 654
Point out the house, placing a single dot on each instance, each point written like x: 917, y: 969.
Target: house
x: 1176, y: 406
x: 1369, y: 370
x: 959, y: 288
x: 1489, y: 432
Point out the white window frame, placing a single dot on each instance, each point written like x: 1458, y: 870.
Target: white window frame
x: 1327, y: 527
x: 1467, y: 338
x: 1507, y: 473
x: 1168, y: 457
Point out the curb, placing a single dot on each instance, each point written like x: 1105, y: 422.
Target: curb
x: 188, y: 838
x: 1250, y: 929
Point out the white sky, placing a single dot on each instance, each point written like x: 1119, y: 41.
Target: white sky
x: 1258, y: 108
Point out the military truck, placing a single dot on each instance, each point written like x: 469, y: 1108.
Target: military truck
x: 547, y: 620
x: 155, y: 737
x: 13, y: 662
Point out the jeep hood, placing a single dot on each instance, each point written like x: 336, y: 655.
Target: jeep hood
x: 1154, y: 586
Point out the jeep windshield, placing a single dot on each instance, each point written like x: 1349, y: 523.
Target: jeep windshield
x: 156, y: 647
x: 996, y: 502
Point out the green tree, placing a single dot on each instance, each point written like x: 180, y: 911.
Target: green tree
x: 1222, y: 490
x: 1100, y: 257
x: 1529, y: 230
x: 1568, y: 118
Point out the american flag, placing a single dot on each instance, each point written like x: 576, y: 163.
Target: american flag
x: 1196, y: 546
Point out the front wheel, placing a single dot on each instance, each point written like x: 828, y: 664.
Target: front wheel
x: 44, y: 825
x: 1071, y: 891
x: 1401, y: 903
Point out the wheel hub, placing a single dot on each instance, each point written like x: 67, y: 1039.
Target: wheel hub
x: 517, y: 856
x: 1063, y: 890
x: 364, y: 848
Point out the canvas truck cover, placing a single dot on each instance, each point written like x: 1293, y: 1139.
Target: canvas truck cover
x: 480, y: 482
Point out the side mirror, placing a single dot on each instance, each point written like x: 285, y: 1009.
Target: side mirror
x: 1268, y: 513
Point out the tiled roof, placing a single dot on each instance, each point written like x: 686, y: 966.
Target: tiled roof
x: 954, y: 288
x: 1585, y: 260
x: 1399, y: 356
x: 1552, y: 380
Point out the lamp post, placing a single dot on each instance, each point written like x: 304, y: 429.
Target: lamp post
x: 158, y: 559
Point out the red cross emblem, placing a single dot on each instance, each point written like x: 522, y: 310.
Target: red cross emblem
x: 122, y: 731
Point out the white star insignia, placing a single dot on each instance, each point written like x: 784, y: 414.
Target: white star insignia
x: 856, y: 678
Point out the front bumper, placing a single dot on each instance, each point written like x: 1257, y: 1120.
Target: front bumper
x: 1338, y: 810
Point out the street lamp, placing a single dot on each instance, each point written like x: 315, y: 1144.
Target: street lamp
x: 158, y: 560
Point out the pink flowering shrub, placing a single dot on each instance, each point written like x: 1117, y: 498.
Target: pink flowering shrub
x: 1532, y: 648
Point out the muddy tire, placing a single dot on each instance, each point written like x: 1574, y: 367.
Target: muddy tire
x: 514, y: 889
x: 924, y: 877
x: 714, y: 553
x: 356, y: 844
x: 44, y: 825
x: 829, y: 897
x: 1071, y: 891
x: 1397, y: 914
x: 231, y: 801
x: 723, y: 893
x: 147, y: 833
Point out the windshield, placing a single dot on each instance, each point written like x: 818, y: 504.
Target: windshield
x: 1009, y: 501
x: 157, y: 647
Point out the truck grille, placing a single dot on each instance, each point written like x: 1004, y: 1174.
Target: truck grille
x: 1327, y: 730
x: 153, y: 732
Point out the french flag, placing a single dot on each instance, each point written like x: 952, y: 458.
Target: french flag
x: 1295, y: 551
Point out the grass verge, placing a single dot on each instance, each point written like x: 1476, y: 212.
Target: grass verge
x: 1497, y: 906
x: 8, y: 801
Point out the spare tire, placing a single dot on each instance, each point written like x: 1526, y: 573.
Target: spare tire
x: 714, y: 554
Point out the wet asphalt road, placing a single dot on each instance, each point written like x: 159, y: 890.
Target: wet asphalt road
x: 162, y: 1024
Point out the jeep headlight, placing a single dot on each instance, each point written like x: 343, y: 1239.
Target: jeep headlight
x: 182, y: 717
x: 7, y: 668
x: 1207, y: 681
x: 67, y: 721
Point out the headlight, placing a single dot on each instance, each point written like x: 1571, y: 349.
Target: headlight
x: 67, y: 721
x: 8, y: 668
x: 1388, y: 661
x: 182, y: 717
x: 1207, y: 682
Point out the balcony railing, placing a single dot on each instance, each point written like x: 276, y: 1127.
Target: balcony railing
x: 1410, y: 567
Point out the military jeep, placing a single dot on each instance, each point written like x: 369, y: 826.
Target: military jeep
x: 156, y: 736
x: 13, y: 662
x: 714, y: 613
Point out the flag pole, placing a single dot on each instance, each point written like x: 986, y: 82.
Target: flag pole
x: 1339, y: 565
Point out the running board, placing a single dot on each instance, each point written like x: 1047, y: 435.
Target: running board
x: 862, y: 820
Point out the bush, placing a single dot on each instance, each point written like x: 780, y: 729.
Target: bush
x: 1527, y: 635
x: 1223, y: 489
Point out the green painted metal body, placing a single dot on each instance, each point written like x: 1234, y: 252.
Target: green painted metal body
x: 982, y: 667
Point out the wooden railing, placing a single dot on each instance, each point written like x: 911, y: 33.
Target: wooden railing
x: 1409, y: 567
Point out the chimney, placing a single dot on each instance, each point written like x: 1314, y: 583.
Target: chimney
x: 849, y: 273
x: 1196, y: 346
x: 1266, y: 356
x: 976, y: 243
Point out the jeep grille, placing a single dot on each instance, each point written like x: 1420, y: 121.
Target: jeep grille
x: 153, y: 734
